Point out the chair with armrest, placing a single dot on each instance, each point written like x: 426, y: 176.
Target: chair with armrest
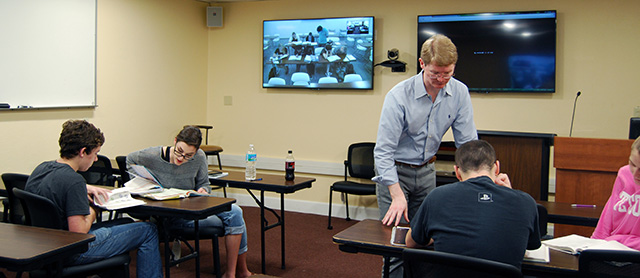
x: 42, y: 212
x: 13, y: 180
x: 419, y: 261
x: 609, y: 263
x: 359, y: 164
x: 100, y: 173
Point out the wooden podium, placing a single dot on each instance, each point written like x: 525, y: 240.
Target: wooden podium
x: 585, y: 171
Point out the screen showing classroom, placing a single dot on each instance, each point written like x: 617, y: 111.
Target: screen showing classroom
x: 499, y: 52
x: 318, y: 53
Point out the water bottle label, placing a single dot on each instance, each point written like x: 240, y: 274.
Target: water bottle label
x: 252, y: 157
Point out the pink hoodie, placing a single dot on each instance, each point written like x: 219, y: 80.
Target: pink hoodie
x: 620, y: 219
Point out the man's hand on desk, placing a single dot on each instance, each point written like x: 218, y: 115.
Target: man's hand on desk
x: 398, y: 207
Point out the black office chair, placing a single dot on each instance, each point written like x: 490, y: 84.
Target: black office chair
x: 420, y: 262
x: 186, y: 234
x: 609, y: 263
x: 42, y: 212
x: 100, y: 173
x: 359, y: 164
x: 12, y: 180
x: 543, y: 216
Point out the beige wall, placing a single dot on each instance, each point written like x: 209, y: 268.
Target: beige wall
x: 596, y: 52
x: 151, y: 80
x: 160, y: 67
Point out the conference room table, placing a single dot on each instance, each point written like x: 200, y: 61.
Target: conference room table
x: 371, y: 237
x: 192, y: 208
x: 26, y: 248
x: 264, y: 183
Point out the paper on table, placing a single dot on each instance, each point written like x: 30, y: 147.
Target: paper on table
x: 540, y: 255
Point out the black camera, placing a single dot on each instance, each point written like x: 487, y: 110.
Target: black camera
x: 393, y: 54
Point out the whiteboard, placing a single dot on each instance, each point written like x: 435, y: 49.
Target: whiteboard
x: 48, y: 53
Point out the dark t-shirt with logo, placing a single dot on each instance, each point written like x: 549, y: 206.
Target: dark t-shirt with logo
x: 480, y: 219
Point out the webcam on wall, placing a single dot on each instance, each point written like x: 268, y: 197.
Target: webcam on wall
x: 393, y: 63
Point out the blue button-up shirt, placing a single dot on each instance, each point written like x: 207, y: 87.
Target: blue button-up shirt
x: 412, y: 125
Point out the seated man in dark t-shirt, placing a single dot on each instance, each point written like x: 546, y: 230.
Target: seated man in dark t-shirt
x: 480, y: 216
x: 59, y: 182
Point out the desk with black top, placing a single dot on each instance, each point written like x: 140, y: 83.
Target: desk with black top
x: 26, y: 248
x: 371, y: 237
x: 271, y: 183
x: 192, y: 208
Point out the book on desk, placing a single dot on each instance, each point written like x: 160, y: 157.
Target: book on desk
x: 143, y: 182
x: 574, y: 244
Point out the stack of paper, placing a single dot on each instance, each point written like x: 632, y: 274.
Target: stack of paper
x: 540, y: 255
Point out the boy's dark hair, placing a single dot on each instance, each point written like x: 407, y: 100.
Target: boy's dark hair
x: 78, y: 134
x: 475, y: 155
x: 191, y: 135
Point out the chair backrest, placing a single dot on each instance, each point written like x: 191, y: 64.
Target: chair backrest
x: 542, y: 219
x: 122, y: 165
x: 100, y: 173
x: 453, y: 265
x: 352, y: 77
x: 39, y: 211
x: 609, y: 263
x: 277, y: 81
x: 325, y: 80
x: 300, y: 76
x: 360, y: 160
x: 12, y: 180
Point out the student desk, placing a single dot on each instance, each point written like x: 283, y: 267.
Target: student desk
x: 192, y: 208
x: 271, y: 183
x: 371, y: 237
x: 564, y: 213
x: 26, y: 248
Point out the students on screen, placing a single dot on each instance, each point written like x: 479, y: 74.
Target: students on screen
x: 59, y: 181
x: 323, y: 33
x: 184, y: 165
x: 620, y: 219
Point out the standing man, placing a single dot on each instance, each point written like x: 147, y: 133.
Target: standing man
x: 415, y: 115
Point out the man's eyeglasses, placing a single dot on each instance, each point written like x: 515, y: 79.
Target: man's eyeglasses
x: 184, y: 156
x: 444, y: 76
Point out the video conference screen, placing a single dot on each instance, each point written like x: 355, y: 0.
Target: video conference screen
x: 318, y: 53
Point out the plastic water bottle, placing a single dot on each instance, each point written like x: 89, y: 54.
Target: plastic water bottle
x: 250, y: 170
x: 289, y: 166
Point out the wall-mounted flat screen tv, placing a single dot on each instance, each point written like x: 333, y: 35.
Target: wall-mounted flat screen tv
x: 499, y: 52
x: 318, y: 53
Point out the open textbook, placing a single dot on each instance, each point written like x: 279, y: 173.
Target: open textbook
x: 172, y: 193
x: 118, y: 198
x: 143, y: 182
x: 574, y: 244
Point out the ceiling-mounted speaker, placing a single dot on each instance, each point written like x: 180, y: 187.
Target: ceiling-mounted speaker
x: 214, y: 16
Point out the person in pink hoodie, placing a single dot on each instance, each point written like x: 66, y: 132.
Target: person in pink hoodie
x: 620, y: 219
